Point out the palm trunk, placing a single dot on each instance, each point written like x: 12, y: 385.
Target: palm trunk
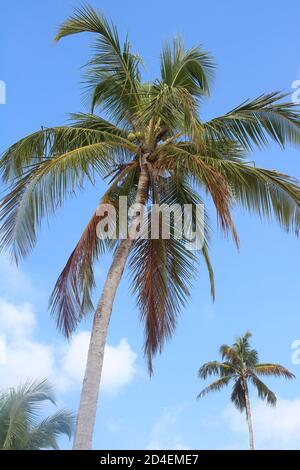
x: 90, y: 389
x: 249, y: 418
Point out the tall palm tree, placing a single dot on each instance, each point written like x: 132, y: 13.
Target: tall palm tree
x: 20, y: 426
x: 154, y: 147
x: 241, y: 368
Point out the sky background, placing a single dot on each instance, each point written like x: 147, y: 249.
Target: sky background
x: 256, y: 46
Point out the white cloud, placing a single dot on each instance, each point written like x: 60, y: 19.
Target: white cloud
x: 27, y: 360
x: 19, y: 319
x: 75, y: 356
x: 119, y: 365
x: 23, y: 357
x: 119, y: 362
x: 163, y: 435
x: 274, y: 428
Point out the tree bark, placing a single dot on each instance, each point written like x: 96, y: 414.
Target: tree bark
x: 249, y: 417
x: 90, y: 389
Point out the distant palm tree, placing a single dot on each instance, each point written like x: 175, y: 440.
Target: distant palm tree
x: 155, y: 148
x: 20, y: 428
x: 241, y: 367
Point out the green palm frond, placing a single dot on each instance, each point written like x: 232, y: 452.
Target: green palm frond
x: 230, y: 354
x: 274, y: 370
x: 19, y: 412
x: 113, y: 72
x: 173, y: 100
x: 44, y: 187
x: 216, y: 368
x: 215, y: 386
x: 238, y: 395
x: 174, y: 108
x: 45, y: 434
x: 254, y: 122
x: 59, y: 142
x: 210, y: 271
x: 248, y: 357
x: 92, y: 121
x: 263, y: 391
x: 190, y: 70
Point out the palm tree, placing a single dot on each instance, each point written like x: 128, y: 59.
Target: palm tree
x: 154, y: 147
x: 20, y: 426
x: 240, y: 368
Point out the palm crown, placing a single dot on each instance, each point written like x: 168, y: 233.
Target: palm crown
x: 157, y: 124
x: 241, y: 366
x: 20, y: 428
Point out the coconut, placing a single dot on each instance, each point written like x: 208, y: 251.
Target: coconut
x: 139, y: 135
x: 131, y: 136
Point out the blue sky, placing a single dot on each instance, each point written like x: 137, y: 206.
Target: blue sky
x: 256, y: 46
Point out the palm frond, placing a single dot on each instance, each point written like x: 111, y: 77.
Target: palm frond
x: 238, y: 395
x: 177, y: 190
x: 275, y: 370
x: 42, y: 189
x: 268, y: 193
x: 263, y: 391
x: 56, y: 142
x: 71, y: 296
x: 113, y: 72
x: 210, y: 271
x: 216, y: 386
x: 19, y: 409
x: 20, y: 428
x: 162, y: 271
x: 45, y: 434
x: 190, y: 70
x: 174, y: 107
x: 180, y: 161
x: 254, y: 122
x: 216, y: 368
x: 248, y: 357
x: 230, y: 354
x: 92, y: 121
